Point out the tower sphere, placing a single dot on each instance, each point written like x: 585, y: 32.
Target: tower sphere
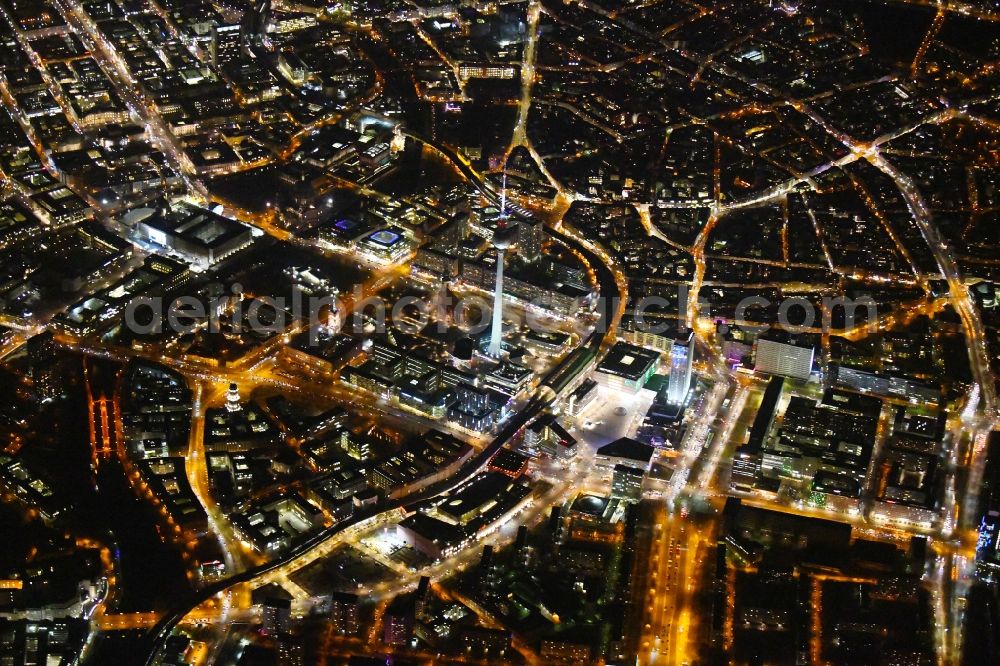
x: 504, y: 236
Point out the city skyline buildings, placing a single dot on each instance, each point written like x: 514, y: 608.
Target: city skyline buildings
x: 737, y: 401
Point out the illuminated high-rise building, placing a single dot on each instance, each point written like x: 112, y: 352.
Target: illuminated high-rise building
x: 44, y: 367
x: 276, y: 615
x: 233, y: 399
x: 226, y: 44
x: 681, y: 362
x: 255, y: 20
x: 530, y: 236
x: 783, y: 358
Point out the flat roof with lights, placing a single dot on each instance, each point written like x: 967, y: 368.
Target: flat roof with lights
x: 629, y: 361
x: 384, y: 237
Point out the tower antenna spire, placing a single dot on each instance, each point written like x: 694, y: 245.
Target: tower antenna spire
x: 503, y: 194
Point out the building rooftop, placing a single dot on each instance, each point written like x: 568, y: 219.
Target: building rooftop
x: 197, y: 226
x: 628, y: 449
x: 628, y: 361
